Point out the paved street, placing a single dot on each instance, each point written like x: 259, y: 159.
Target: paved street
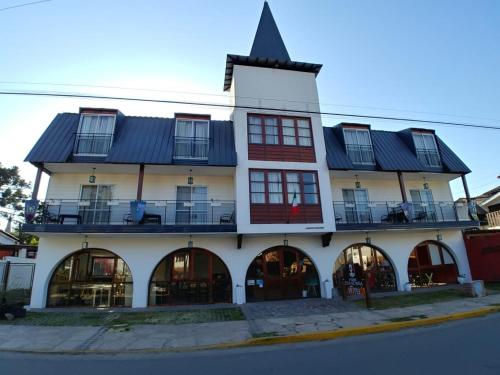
x: 463, y: 347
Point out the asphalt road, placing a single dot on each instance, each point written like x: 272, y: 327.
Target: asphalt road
x: 464, y: 347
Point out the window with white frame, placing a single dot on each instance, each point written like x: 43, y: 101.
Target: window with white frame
x: 95, y: 134
x: 191, y: 139
x: 359, y: 146
x: 427, y: 151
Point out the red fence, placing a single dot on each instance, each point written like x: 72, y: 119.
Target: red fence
x: 483, y: 251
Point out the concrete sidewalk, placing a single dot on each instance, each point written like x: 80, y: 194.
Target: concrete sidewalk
x: 283, y: 319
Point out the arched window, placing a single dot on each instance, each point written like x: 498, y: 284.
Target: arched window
x: 190, y: 276
x: 91, y: 278
x: 281, y: 272
x: 431, y: 264
x: 369, y: 261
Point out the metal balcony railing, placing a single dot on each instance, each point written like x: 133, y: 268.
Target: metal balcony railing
x: 118, y: 212
x: 429, y: 157
x: 191, y: 148
x: 392, y: 212
x: 92, y: 143
x: 360, y: 154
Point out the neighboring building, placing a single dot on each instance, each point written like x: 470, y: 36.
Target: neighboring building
x: 488, y: 208
x: 269, y: 205
x: 10, y: 246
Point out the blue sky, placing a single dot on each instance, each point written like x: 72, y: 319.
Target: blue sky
x: 426, y: 59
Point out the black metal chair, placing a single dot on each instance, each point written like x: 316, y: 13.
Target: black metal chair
x: 227, y: 218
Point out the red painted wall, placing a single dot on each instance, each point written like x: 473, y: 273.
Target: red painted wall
x: 483, y: 251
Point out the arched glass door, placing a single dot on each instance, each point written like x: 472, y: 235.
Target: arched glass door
x: 281, y: 273
x: 371, y: 262
x: 91, y: 278
x: 190, y: 276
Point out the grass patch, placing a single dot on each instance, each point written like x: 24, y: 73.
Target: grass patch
x: 413, y: 299
x: 115, y: 318
x: 406, y: 318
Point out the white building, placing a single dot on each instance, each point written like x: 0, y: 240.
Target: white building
x: 146, y: 211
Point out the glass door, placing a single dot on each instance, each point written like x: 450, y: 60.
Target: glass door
x: 192, y: 205
x: 423, y: 204
x: 94, y: 208
x: 356, y: 205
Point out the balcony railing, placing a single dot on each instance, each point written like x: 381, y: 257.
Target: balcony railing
x: 360, y: 154
x: 191, y: 148
x: 92, y: 143
x: 391, y: 213
x: 493, y: 219
x: 118, y: 212
x: 429, y: 157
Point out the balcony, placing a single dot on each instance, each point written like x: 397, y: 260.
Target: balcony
x: 93, y: 144
x: 361, y: 154
x: 390, y: 215
x: 429, y: 157
x: 114, y: 216
x: 191, y: 148
x: 493, y: 219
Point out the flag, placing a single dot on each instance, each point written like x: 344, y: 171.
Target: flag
x: 295, y: 205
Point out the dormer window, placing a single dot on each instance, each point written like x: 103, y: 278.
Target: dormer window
x: 191, y: 139
x: 359, y: 146
x: 426, y: 148
x: 95, y: 134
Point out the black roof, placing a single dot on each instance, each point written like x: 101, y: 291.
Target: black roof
x: 268, y: 42
x: 148, y: 140
x: 393, y: 152
x: 268, y: 51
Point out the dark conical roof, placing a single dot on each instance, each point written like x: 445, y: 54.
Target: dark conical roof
x: 268, y: 42
x: 268, y: 51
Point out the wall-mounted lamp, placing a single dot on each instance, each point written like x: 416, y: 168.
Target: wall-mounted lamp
x: 85, y: 243
x: 190, y: 178
x: 285, y: 241
x: 439, y: 236
x: 426, y: 184
x: 92, y: 176
x: 358, y: 184
x: 190, y: 242
x: 368, y: 239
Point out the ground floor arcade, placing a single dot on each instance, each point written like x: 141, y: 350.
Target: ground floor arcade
x: 153, y: 270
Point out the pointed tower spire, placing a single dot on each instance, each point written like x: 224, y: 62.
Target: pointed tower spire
x: 268, y: 42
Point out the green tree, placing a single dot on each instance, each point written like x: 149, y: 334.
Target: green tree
x: 12, y: 195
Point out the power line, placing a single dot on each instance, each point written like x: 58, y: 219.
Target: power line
x: 241, y: 97
x: 24, y: 4
x: 254, y: 108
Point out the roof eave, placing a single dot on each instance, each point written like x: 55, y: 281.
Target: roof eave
x: 299, y: 66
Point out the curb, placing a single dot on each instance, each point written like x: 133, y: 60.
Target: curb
x: 290, y: 339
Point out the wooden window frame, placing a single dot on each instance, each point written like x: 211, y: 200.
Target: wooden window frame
x: 284, y: 187
x: 279, y: 120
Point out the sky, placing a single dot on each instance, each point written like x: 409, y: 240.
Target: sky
x: 427, y: 59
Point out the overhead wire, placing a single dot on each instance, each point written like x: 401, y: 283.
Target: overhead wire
x: 246, y: 107
x: 24, y: 4
x: 226, y: 96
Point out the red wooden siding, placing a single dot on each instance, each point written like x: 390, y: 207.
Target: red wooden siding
x: 483, y: 251
x: 281, y: 153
